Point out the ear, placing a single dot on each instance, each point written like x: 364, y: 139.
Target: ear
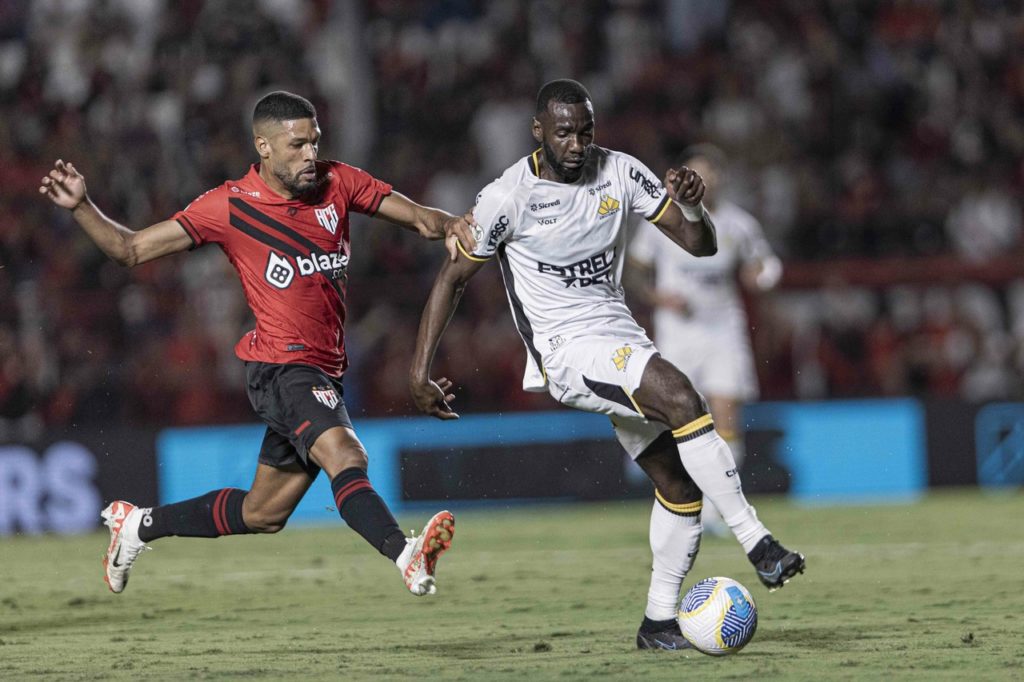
x: 537, y: 130
x: 262, y: 145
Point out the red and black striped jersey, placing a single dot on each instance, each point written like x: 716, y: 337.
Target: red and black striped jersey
x: 292, y: 256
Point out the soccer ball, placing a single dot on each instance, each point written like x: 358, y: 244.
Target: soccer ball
x: 718, y: 616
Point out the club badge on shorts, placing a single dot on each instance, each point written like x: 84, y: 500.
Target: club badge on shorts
x: 326, y: 395
x: 621, y: 357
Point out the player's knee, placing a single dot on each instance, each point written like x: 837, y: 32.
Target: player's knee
x: 354, y: 457
x: 687, y: 405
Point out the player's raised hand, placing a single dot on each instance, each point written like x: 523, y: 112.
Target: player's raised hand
x: 684, y: 185
x: 64, y: 185
x: 459, y: 229
x: 433, y: 397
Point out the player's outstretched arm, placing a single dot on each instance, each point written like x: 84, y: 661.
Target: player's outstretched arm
x: 431, y: 397
x: 686, y: 222
x: 65, y: 187
x: 431, y: 223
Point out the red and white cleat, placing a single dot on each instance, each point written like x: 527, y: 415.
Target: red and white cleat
x: 418, y: 560
x: 123, y: 519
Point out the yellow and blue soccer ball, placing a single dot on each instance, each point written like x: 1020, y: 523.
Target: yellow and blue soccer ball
x: 718, y: 616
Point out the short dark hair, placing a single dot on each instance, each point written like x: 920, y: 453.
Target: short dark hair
x: 705, y: 150
x: 563, y: 91
x: 282, y: 106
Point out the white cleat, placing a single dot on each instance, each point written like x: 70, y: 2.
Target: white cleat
x: 123, y: 519
x: 418, y: 560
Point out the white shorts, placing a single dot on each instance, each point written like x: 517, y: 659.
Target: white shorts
x: 600, y: 374
x: 719, y: 361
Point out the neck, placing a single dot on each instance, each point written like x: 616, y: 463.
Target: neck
x: 274, y: 183
x: 547, y: 172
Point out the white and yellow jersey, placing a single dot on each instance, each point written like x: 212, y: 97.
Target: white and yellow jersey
x: 561, y: 247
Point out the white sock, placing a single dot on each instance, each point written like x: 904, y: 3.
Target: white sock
x: 675, y: 541
x: 710, y: 517
x: 737, y: 447
x: 710, y: 464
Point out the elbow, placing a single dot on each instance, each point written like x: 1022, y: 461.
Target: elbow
x: 126, y: 258
x: 704, y: 250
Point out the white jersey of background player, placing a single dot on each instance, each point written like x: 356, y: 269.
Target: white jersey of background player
x: 700, y: 324
x: 556, y: 222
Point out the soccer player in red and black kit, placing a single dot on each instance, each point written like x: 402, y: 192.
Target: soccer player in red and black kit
x: 285, y: 229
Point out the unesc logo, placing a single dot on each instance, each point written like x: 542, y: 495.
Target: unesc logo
x: 327, y: 217
x: 279, y: 271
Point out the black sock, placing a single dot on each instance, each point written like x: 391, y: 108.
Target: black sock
x: 218, y: 512
x: 365, y: 512
x: 659, y: 625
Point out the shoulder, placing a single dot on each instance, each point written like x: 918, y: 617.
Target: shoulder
x: 504, y: 191
x: 339, y: 173
x: 617, y: 160
x: 215, y: 196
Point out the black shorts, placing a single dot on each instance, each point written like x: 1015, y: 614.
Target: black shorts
x: 298, y: 403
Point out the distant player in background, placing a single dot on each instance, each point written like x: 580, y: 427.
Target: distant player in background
x: 285, y: 229
x: 700, y: 325
x: 557, y: 222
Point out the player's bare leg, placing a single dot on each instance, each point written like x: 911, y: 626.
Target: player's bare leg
x: 666, y: 395
x: 675, y: 540
x: 341, y: 455
x: 274, y: 495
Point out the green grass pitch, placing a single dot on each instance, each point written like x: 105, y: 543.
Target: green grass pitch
x: 931, y: 590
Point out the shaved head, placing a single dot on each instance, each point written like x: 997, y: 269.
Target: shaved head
x: 280, y: 106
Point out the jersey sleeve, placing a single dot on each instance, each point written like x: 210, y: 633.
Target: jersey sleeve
x: 361, y: 191
x: 495, y: 217
x: 644, y: 191
x: 206, y: 218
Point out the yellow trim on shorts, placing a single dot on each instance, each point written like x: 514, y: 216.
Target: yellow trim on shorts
x: 636, y: 405
x: 470, y: 256
x: 679, y: 508
x: 662, y: 211
x: 696, y: 425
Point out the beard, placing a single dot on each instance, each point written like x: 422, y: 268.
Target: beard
x: 293, y: 182
x: 564, y: 173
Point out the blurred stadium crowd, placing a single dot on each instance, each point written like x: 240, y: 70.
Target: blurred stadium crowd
x: 857, y: 130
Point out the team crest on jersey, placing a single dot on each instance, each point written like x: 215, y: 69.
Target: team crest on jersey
x: 621, y: 357
x: 326, y: 395
x: 327, y: 217
x: 609, y: 205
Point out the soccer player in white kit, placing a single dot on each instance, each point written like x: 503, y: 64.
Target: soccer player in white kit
x: 700, y: 325
x: 556, y: 220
